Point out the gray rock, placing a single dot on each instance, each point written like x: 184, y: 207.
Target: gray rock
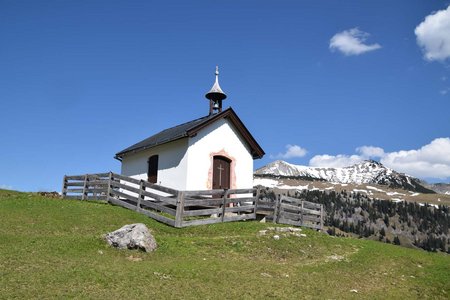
x: 132, y: 236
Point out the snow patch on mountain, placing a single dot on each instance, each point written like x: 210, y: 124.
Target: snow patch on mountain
x: 366, y: 172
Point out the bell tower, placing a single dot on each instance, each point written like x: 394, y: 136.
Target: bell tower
x: 215, y: 96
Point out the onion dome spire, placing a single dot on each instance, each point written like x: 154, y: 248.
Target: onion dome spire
x: 215, y: 95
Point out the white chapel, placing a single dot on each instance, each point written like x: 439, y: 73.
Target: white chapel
x: 213, y: 152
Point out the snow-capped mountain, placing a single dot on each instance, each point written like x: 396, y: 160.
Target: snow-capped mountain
x: 369, y: 171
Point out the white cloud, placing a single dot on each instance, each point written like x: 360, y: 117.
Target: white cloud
x: 291, y: 152
x: 430, y: 161
x: 334, y: 161
x: 351, y: 42
x: 342, y: 160
x: 370, y: 151
x: 433, y: 35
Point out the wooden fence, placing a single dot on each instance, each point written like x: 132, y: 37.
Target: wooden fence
x: 292, y: 211
x: 188, y: 208
x: 169, y: 206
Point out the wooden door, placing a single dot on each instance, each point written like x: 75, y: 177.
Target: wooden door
x: 221, y: 173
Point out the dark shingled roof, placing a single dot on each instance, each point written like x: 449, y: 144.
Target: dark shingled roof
x: 190, y: 129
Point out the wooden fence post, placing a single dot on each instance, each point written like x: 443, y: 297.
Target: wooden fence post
x: 180, y: 210
x: 301, y: 214
x: 108, y: 190
x: 224, y: 204
x: 140, y: 197
x: 64, y: 187
x: 321, y: 217
x: 276, y: 208
x: 83, y: 197
x: 256, y: 202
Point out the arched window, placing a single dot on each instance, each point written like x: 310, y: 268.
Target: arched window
x: 153, y: 169
x: 221, y: 172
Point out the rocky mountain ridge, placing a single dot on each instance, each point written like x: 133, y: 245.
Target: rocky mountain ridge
x: 366, y: 172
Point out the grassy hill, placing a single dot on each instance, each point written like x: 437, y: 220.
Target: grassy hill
x: 52, y: 248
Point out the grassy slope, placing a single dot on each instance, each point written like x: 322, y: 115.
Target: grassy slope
x: 51, y: 248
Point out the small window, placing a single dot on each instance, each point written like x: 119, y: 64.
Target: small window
x: 153, y: 169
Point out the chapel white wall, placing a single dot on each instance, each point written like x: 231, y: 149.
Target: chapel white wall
x: 218, y: 138
x: 172, y: 164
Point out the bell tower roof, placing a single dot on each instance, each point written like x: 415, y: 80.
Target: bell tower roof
x: 216, y: 93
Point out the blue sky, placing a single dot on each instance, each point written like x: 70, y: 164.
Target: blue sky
x: 316, y: 82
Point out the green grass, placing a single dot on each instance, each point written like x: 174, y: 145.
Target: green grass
x: 52, y: 248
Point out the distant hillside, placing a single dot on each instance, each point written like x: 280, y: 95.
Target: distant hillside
x: 405, y: 223
x: 367, y: 172
x: 441, y: 188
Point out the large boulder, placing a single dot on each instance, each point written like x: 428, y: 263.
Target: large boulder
x: 132, y: 236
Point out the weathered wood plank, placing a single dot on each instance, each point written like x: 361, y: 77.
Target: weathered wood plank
x: 285, y: 206
x: 123, y: 195
x: 83, y: 196
x: 143, y: 211
x: 75, y: 177
x: 291, y: 216
x: 172, y: 201
x: 270, y: 204
x: 241, y: 191
x: 202, y: 212
x: 64, y: 187
x: 248, y: 209
x: 206, y: 202
x: 199, y: 193
x: 109, y: 188
x: 265, y: 207
x: 140, y: 196
x: 97, y: 182
x: 224, y: 204
x: 98, y: 175
x: 179, y: 214
x: 311, y: 212
x: 291, y: 200
x: 201, y: 222
x: 126, y: 178
x: 161, y: 188
x: 158, y: 217
x: 158, y: 207
x: 242, y: 200
x: 311, y: 205
x: 125, y: 187
x: 94, y: 190
x: 75, y: 183
x: 81, y: 177
x: 74, y: 190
